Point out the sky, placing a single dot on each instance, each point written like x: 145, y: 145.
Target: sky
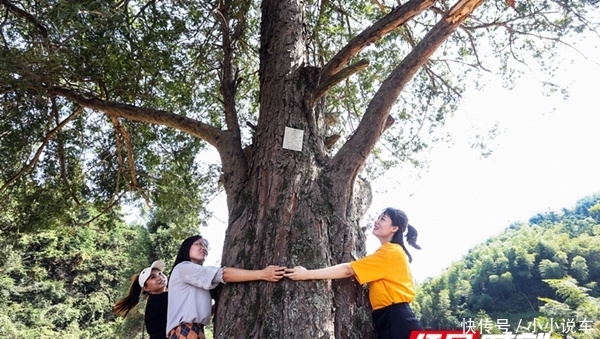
x: 546, y: 157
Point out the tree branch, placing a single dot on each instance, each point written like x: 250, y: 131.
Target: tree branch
x: 191, y: 126
x: 230, y: 144
x: 353, y: 154
x: 28, y: 16
x: 396, y: 18
x: 472, y: 42
x: 40, y: 149
x: 61, y: 154
x: 381, y: 7
x: 324, y: 86
x: 226, y: 142
x: 141, y: 11
x: 131, y: 161
x: 111, y: 203
x: 228, y: 76
x: 118, y: 152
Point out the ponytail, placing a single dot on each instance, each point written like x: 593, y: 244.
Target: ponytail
x: 400, y: 219
x: 411, y: 237
x: 124, y: 305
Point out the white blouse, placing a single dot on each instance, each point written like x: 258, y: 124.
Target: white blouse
x: 189, y: 296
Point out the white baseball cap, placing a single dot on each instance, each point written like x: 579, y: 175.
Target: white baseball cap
x: 145, y: 274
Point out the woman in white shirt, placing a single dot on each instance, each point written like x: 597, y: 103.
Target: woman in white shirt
x: 190, y: 284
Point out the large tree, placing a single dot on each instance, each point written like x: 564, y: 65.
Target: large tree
x: 109, y: 102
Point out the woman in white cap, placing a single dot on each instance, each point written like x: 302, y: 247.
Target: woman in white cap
x: 151, y: 282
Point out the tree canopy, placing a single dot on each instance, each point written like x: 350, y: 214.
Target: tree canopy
x: 77, y: 78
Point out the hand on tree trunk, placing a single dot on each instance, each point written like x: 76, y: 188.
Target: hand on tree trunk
x: 297, y: 273
x: 273, y: 273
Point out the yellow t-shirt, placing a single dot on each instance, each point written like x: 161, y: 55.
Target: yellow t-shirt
x: 388, y: 275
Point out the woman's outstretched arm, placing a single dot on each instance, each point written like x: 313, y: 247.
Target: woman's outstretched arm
x: 339, y: 271
x: 270, y: 273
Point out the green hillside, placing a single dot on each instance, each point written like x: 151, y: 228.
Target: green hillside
x: 546, y: 270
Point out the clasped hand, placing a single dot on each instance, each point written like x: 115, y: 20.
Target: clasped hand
x: 296, y: 273
x: 274, y: 273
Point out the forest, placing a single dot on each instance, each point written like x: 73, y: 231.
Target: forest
x: 545, y: 270
x: 62, y: 282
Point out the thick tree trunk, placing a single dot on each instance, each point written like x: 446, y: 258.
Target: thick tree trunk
x: 290, y: 215
x: 297, y: 226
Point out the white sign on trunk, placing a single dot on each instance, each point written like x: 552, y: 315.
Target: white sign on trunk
x: 292, y: 139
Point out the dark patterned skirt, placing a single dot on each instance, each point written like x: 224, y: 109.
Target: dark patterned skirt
x: 187, y: 331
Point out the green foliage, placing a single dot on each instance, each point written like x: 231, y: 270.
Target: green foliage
x: 544, y: 270
x: 576, y: 304
x: 62, y: 282
x: 169, y: 56
x: 128, y: 52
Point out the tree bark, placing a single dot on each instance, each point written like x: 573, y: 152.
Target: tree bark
x: 288, y: 204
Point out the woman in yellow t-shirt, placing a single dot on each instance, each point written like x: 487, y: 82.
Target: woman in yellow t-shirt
x: 387, y: 272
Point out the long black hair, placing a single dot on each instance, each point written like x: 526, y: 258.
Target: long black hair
x: 125, y: 304
x: 184, y: 251
x: 400, y: 219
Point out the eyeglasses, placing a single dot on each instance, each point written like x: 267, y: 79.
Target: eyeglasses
x: 202, y: 243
